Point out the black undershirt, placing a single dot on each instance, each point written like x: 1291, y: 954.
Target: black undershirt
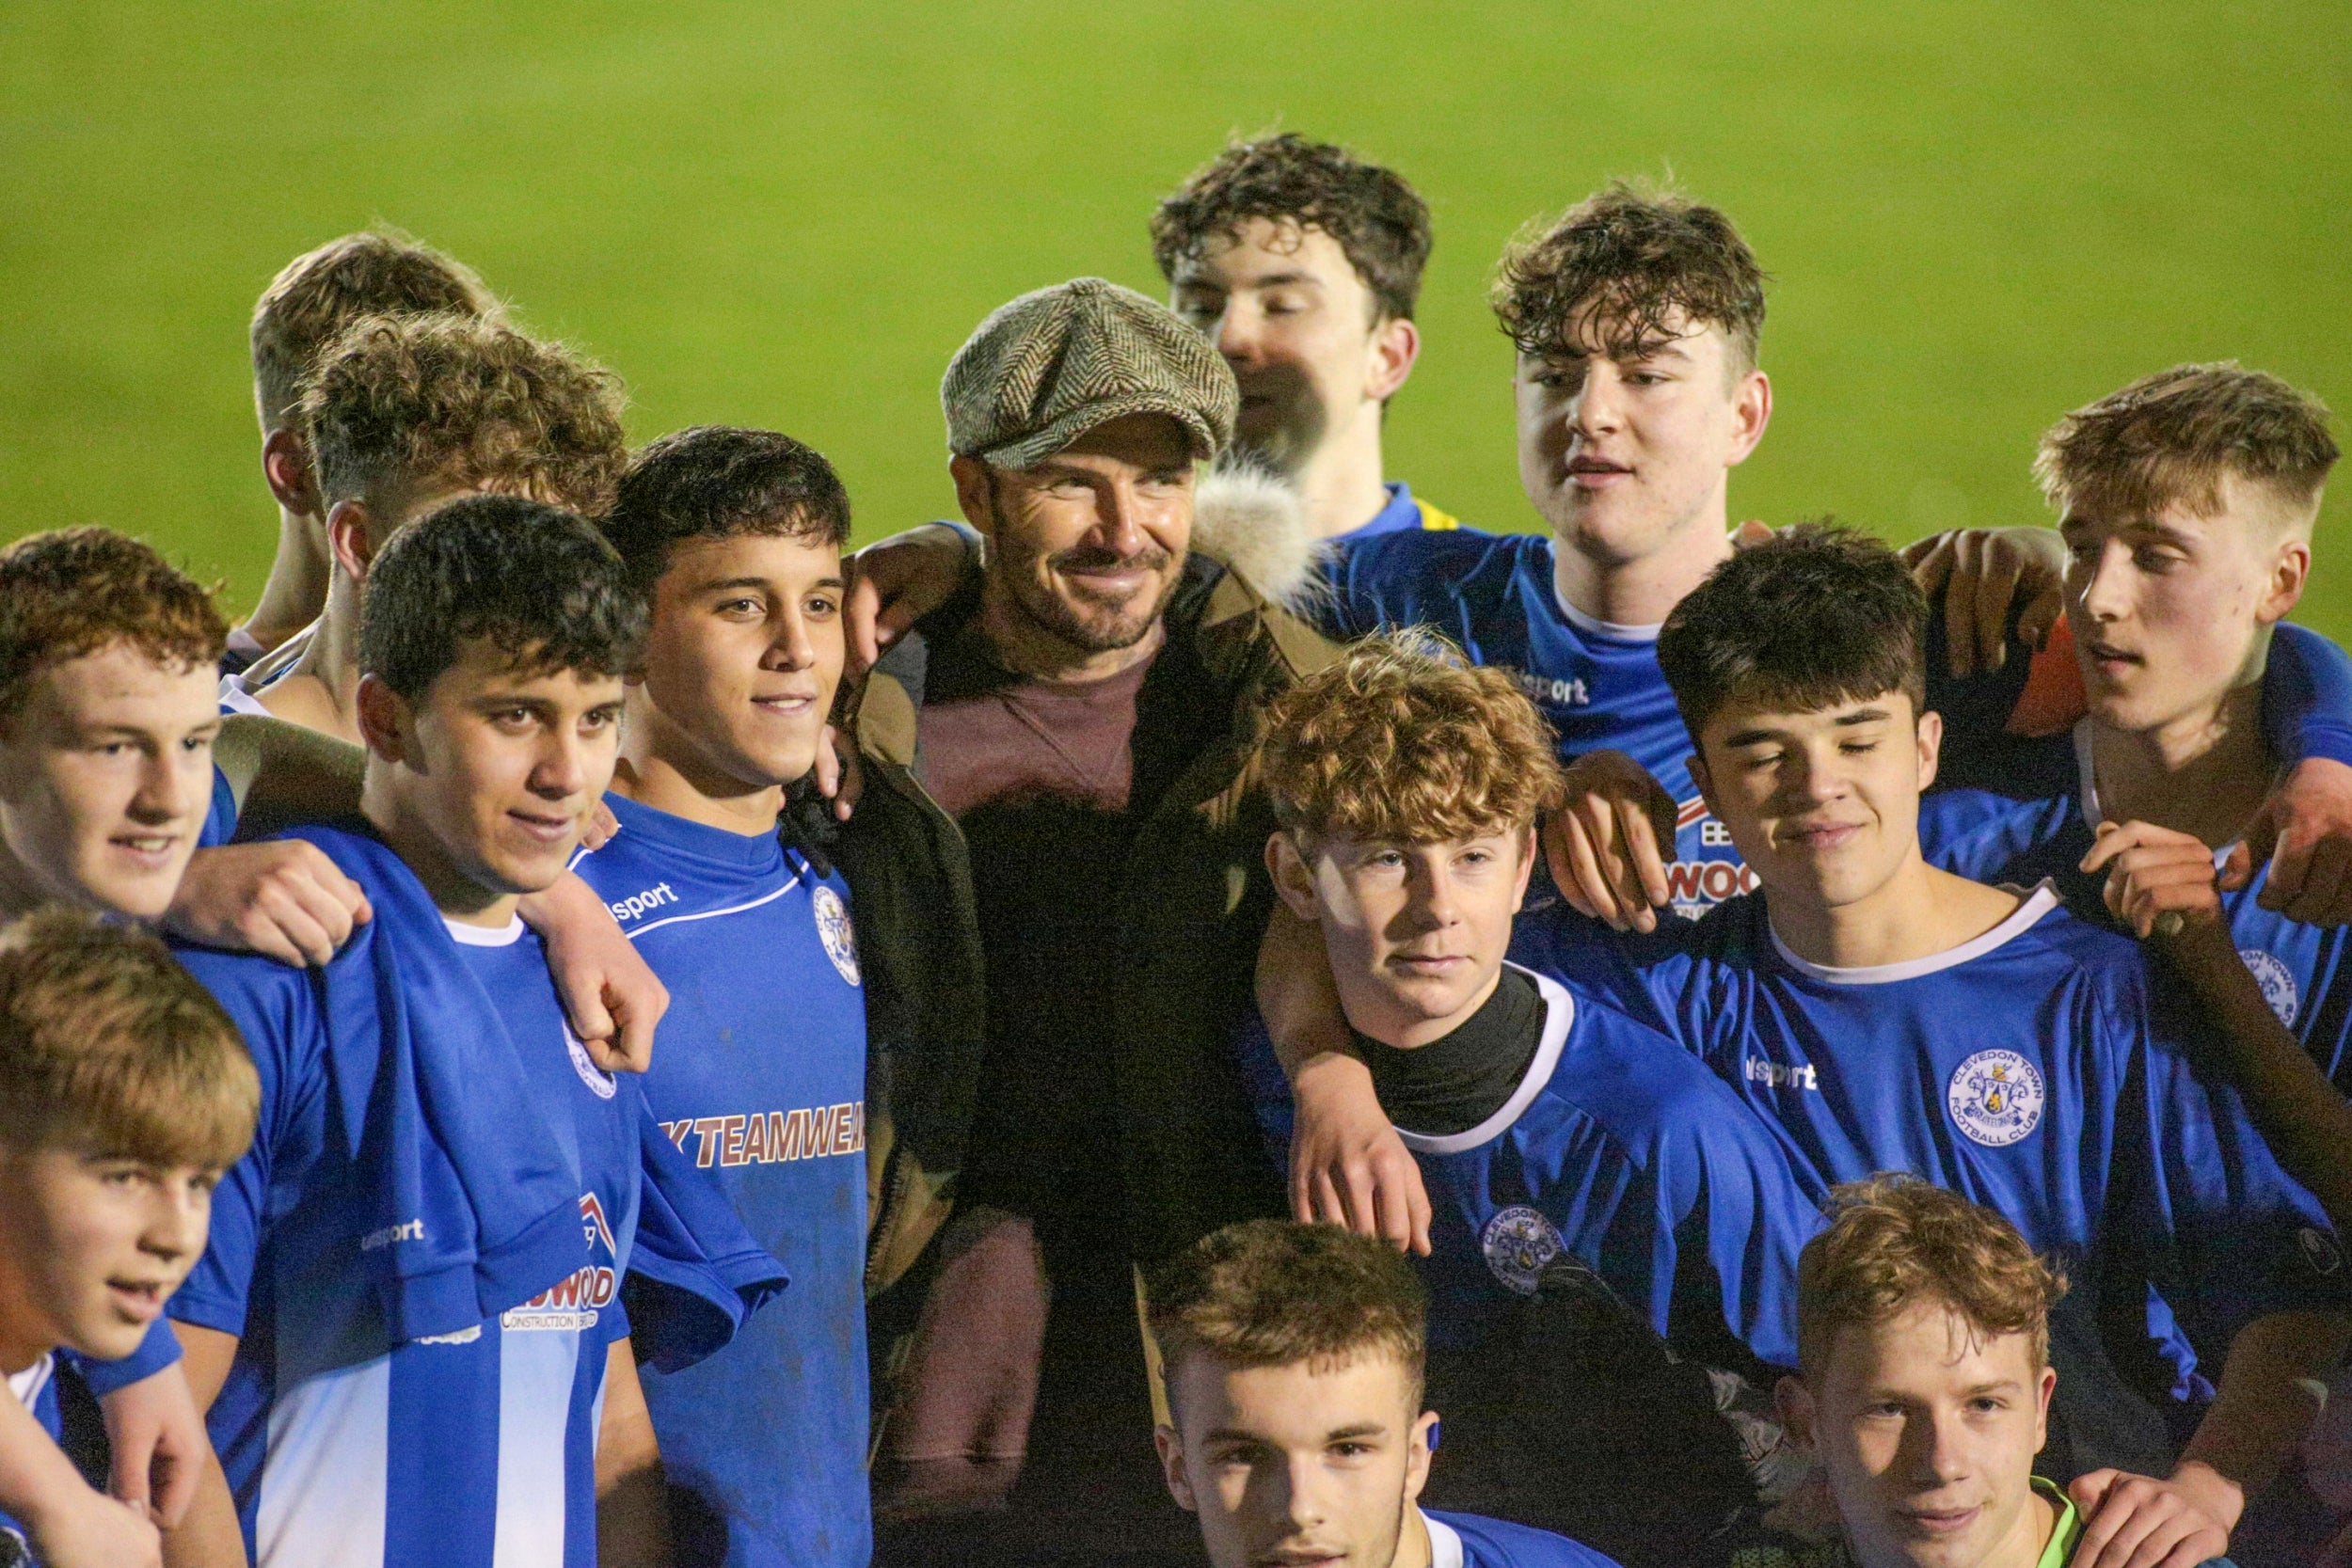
x: 1460, y: 1078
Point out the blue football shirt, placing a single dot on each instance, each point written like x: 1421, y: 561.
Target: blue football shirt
x: 2301, y: 968
x: 760, y: 1078
x: 1597, y: 683
x: 344, y: 1440
x: 2036, y: 1070
x: 1620, y: 1151
x: 1468, y: 1541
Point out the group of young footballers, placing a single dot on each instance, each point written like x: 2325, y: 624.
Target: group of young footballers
x: 594, y: 1029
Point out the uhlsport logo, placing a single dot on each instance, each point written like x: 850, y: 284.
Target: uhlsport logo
x: 833, y: 930
x: 1996, y: 1097
x: 637, y: 904
x: 598, y: 1080
x: 1518, y: 1243
x: 2276, y: 982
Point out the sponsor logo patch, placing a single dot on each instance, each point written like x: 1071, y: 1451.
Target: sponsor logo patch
x: 833, y: 930
x: 1518, y: 1243
x: 1996, y: 1097
x: 2276, y: 982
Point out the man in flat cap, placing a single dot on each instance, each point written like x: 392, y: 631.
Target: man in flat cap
x: 1056, y: 865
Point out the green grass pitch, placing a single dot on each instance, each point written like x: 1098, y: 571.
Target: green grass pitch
x: 1976, y: 214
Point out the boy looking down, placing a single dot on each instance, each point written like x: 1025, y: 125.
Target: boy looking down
x: 734, y: 539
x: 408, y: 1325
x: 1296, y: 1429
x: 1302, y: 262
x: 306, y: 306
x: 1546, y: 1122
x: 124, y: 1093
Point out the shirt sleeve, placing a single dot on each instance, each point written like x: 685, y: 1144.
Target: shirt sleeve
x: 2240, y: 1239
x: 215, y: 1291
x: 160, y: 1349
x: 2307, y: 697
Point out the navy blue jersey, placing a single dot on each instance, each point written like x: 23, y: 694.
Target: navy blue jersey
x: 1617, y: 1150
x: 1597, y: 684
x: 2301, y: 968
x: 761, y: 1080
x: 422, y: 1251
x: 1467, y: 1540
x: 2036, y: 1070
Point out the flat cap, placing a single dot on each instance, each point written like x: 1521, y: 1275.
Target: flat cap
x: 1044, y: 370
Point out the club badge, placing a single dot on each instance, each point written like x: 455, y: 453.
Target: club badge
x: 1996, y: 1097
x: 833, y: 930
x: 1518, y: 1243
x: 2276, y: 982
x: 599, y: 1082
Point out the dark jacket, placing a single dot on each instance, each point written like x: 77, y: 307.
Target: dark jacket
x: 1194, y: 906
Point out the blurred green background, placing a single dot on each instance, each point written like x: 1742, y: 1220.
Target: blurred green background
x: 1976, y: 214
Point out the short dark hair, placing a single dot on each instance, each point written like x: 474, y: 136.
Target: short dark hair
x: 395, y: 405
x: 717, y: 481
x: 538, y: 581
x: 1381, y: 225
x: 1272, y: 1292
x: 2175, y: 436
x: 374, y: 273
x: 1635, y: 257
x: 79, y: 590
x: 1815, y: 616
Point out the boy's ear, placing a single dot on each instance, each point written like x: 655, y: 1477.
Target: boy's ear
x: 1794, y: 1401
x: 1293, y: 878
x: 1172, y: 1467
x: 1751, y: 411
x: 2290, y: 569
x: 1395, y: 346
x: 383, y: 718
x: 349, y: 539
x: 1417, y: 1455
x: 1930, y: 736
x: 286, y: 468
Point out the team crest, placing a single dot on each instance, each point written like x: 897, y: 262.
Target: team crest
x: 2319, y: 1250
x: 833, y: 930
x: 1995, y: 1096
x: 1518, y: 1243
x: 599, y: 1082
x: 2278, y: 984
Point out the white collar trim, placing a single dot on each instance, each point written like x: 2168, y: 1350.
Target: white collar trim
x: 485, y: 936
x: 1445, y: 1542
x: 1593, y: 625
x: 2035, y: 905
x: 1559, y: 1012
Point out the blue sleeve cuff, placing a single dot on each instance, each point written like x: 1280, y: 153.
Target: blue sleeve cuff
x: 160, y: 1349
x: 2307, y: 697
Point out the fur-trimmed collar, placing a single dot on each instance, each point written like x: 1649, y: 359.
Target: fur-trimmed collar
x: 1255, y: 523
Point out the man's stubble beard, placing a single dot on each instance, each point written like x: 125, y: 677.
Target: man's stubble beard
x: 1111, y: 631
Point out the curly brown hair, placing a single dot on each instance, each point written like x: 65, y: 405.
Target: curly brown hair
x: 1894, y: 1241
x: 1377, y: 219
x: 106, y: 1044
x: 79, y: 590
x: 2175, y: 436
x: 1273, y: 1293
x: 373, y: 273
x: 399, y: 407
x: 1632, y: 260
x: 1403, y: 741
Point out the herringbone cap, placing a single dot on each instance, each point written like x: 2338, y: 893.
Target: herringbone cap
x: 1044, y: 370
